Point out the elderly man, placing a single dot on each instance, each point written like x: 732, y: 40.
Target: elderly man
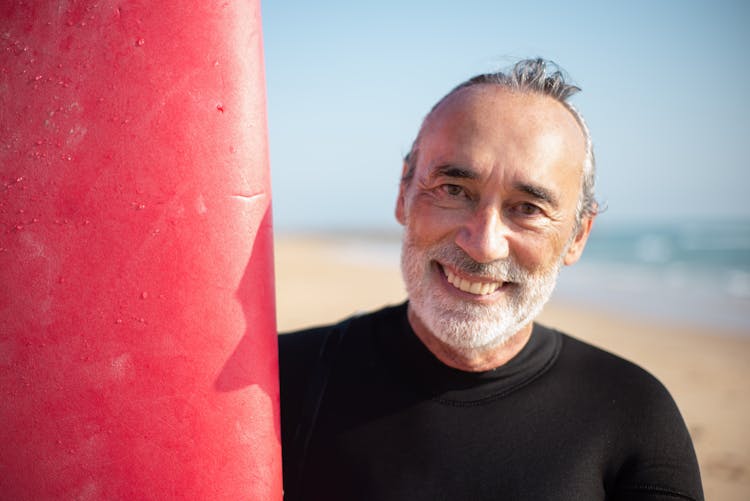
x: 457, y: 394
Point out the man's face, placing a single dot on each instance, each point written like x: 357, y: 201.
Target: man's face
x: 489, y: 214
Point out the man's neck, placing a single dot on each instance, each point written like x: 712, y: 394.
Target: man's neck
x: 471, y: 359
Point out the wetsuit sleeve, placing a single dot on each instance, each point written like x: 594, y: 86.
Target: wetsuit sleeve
x: 662, y: 465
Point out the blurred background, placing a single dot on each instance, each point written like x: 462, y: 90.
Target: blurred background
x: 665, y: 279
x: 665, y: 92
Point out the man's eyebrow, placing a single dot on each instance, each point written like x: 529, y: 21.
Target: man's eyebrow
x: 538, y: 192
x: 455, y: 171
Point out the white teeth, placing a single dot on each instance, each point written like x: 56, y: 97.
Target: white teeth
x: 478, y: 288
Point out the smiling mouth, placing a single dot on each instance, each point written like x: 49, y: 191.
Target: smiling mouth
x: 464, y: 285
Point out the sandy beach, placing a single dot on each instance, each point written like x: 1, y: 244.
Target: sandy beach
x: 322, y: 279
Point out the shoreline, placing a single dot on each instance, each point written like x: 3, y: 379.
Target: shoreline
x: 320, y: 280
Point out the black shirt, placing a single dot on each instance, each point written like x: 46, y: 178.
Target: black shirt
x: 383, y: 419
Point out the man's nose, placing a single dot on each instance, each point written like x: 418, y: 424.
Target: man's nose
x: 484, y: 237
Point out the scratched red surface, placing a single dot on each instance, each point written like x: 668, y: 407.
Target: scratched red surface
x: 137, y: 326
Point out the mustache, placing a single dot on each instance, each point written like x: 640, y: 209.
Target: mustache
x: 502, y: 270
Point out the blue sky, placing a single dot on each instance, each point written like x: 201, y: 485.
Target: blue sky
x: 665, y: 93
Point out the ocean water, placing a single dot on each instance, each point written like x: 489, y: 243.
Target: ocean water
x: 691, y: 274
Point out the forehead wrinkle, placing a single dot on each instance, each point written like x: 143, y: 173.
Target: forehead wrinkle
x: 470, y: 102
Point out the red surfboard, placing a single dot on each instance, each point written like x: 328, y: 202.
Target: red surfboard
x: 137, y: 326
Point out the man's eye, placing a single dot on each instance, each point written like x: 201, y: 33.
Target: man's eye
x: 528, y: 209
x: 453, y: 190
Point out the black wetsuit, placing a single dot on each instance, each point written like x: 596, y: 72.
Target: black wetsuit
x: 380, y: 418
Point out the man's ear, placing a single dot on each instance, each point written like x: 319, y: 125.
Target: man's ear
x: 579, y: 242
x: 400, y: 214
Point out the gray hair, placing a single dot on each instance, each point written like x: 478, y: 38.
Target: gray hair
x: 537, y: 76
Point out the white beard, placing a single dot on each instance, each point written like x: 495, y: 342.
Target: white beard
x: 465, y: 326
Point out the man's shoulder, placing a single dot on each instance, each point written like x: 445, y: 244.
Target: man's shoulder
x: 304, y: 353
x: 311, y: 339
x: 609, y: 392
x: 590, y: 356
x: 597, y: 369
